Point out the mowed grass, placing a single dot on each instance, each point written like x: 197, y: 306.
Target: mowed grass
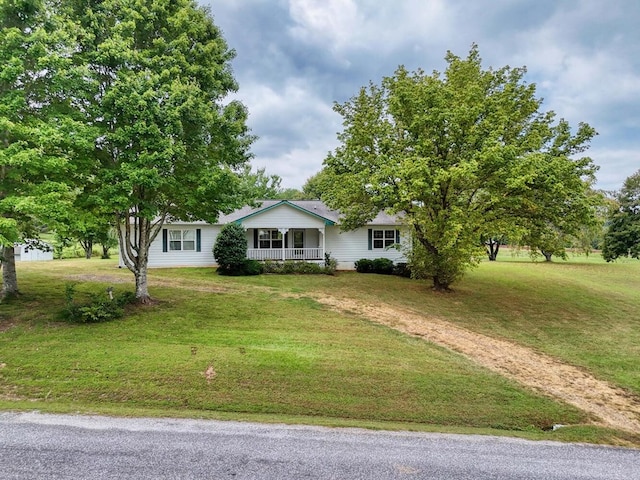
x: 583, y: 311
x: 261, y: 348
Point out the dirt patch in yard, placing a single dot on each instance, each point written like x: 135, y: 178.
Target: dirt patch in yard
x: 98, y: 278
x: 6, y: 325
x: 156, y: 282
x: 611, y: 406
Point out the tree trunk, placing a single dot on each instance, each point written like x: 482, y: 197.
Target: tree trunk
x: 134, y: 241
x: 142, y: 285
x: 9, y: 276
x: 547, y: 255
x: 493, y: 246
x: 105, y: 252
x: 439, y: 285
x: 87, y: 245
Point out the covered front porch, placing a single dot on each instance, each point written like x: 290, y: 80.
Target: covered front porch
x: 282, y: 244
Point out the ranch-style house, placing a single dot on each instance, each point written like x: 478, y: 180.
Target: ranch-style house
x: 282, y: 230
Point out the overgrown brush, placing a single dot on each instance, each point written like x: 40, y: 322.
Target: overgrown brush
x: 98, y: 308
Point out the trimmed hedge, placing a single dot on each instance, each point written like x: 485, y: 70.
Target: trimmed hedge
x: 245, y: 268
x: 382, y: 266
x: 295, y: 267
x: 230, y: 251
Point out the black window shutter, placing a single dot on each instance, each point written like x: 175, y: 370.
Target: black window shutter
x: 397, y: 236
x: 198, y: 239
x: 286, y: 240
x: 255, y: 238
x: 370, y: 235
x: 165, y: 242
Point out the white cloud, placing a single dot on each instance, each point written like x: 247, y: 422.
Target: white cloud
x: 297, y: 56
x: 296, y: 128
x: 325, y: 22
x: 615, y: 165
x: 581, y: 68
x: 345, y: 27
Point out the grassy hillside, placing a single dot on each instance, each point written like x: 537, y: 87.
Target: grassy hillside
x: 260, y: 348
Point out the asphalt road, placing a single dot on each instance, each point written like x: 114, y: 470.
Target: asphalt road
x: 36, y: 446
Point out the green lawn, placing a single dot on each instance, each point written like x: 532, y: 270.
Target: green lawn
x: 279, y: 357
x: 584, y: 311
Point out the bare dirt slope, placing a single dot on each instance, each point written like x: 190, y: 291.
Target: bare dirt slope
x: 611, y: 406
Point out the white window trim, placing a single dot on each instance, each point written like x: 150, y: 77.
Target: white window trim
x: 274, y: 235
x: 175, y: 242
x: 386, y: 239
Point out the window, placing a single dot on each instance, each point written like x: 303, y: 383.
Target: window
x: 182, y: 240
x: 298, y: 239
x: 269, y: 239
x: 383, y: 238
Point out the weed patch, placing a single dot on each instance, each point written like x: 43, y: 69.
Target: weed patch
x: 96, y: 307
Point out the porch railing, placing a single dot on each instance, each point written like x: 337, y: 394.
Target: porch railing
x: 289, y: 254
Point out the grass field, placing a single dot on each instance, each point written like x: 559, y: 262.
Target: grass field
x: 259, y: 348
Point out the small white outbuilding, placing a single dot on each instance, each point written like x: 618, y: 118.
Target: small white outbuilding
x: 26, y: 253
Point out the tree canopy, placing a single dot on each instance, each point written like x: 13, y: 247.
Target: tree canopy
x: 36, y: 131
x: 461, y: 155
x: 156, y: 74
x: 623, y: 235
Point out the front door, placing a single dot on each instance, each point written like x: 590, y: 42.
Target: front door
x: 298, y: 239
x: 297, y: 245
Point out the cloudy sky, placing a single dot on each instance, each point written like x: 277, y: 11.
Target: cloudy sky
x: 295, y: 58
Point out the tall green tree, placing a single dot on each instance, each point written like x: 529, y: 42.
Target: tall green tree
x: 169, y: 144
x: 315, y: 186
x: 290, y: 194
x: 460, y: 155
x: 36, y: 136
x: 260, y: 185
x: 88, y: 227
x: 551, y: 235
x: 622, y: 238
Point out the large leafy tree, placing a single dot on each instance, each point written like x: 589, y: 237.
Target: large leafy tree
x: 37, y: 136
x: 623, y: 235
x: 168, y: 146
x: 315, y: 186
x: 88, y: 227
x: 261, y: 185
x: 461, y: 155
x: 552, y: 235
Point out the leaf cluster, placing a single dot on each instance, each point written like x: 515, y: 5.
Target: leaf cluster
x: 168, y: 146
x: 623, y: 235
x: 459, y: 155
x: 38, y: 139
x: 297, y: 267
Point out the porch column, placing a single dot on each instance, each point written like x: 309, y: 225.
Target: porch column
x: 283, y: 231
x: 321, y: 230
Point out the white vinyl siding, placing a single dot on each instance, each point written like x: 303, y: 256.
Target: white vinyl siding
x: 184, y: 258
x: 348, y: 247
x: 192, y: 243
x: 284, y: 217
